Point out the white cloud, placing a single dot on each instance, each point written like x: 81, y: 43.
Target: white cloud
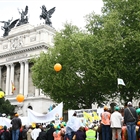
x: 66, y: 10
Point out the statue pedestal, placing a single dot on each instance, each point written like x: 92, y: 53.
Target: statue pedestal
x: 21, y: 28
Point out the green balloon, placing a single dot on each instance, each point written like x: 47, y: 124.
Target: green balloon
x: 138, y: 111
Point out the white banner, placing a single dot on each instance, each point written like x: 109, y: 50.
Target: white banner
x: 5, y: 122
x: 34, y: 117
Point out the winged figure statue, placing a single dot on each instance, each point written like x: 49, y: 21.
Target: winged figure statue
x: 8, y: 25
x: 24, y: 17
x: 46, y: 15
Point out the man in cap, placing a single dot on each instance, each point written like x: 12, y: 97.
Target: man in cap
x: 105, y: 121
x: 90, y: 133
x: 130, y: 119
x: 116, y: 123
x: 16, y: 125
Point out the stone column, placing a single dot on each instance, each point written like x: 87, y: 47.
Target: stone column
x: 8, y: 79
x: 41, y: 92
x: 12, y: 74
x: 0, y: 77
x: 36, y: 92
x: 26, y: 78
x: 21, y: 88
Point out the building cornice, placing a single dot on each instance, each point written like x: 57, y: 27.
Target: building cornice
x: 24, y: 49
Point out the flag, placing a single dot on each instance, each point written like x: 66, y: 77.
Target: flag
x: 87, y: 116
x: 121, y: 82
x: 13, y: 87
x: 96, y: 117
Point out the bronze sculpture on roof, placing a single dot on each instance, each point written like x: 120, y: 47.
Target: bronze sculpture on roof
x: 46, y: 15
x: 8, y: 25
x: 24, y: 17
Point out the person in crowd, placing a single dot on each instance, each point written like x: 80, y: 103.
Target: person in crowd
x: 29, y: 132
x: 57, y: 133
x: 99, y: 130
x: 35, y: 132
x: 20, y: 133
x: 5, y: 134
x: 130, y: 119
x: 72, y: 126
x: 24, y: 132
x: 42, y: 134
x: 116, y: 123
x: 63, y: 130
x: 90, y: 133
x: 49, y: 133
x: 105, y: 121
x: 80, y: 134
x: 16, y: 125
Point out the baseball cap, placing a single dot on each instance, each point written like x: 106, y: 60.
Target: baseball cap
x: 16, y: 115
x: 117, y: 108
x: 129, y: 103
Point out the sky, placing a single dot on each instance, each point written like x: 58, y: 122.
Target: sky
x: 71, y: 11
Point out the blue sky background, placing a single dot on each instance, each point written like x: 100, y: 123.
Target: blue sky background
x: 66, y: 10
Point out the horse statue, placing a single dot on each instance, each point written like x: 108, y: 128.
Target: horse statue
x: 24, y: 17
x: 8, y: 26
x: 46, y: 15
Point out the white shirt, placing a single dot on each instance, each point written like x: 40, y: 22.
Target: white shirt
x: 35, y: 133
x: 74, y: 123
x: 116, y: 120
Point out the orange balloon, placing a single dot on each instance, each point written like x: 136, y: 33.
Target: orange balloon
x: 57, y: 67
x: 138, y: 123
x: 20, y: 98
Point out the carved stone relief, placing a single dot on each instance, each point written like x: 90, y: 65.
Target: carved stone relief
x: 16, y: 42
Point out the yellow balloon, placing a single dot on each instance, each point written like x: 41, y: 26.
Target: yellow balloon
x: 1, y: 94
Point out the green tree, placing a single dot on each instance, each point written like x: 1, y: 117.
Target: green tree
x: 92, y: 60
x: 77, y: 83
x: 119, y: 31
x: 6, y: 107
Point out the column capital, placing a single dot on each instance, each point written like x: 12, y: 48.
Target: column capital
x: 12, y: 64
x: 26, y: 61
x: 7, y: 65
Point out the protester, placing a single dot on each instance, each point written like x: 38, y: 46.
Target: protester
x: 105, y: 121
x: 16, y: 125
x: 63, y: 130
x: 72, y: 126
x: 99, y: 130
x: 116, y: 123
x: 80, y: 134
x: 35, y: 132
x: 130, y: 119
x: 29, y: 132
x: 42, y: 134
x: 57, y: 133
x: 24, y: 132
x: 90, y: 133
x: 49, y: 133
x: 5, y: 134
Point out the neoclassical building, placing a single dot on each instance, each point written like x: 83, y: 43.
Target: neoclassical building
x: 23, y: 43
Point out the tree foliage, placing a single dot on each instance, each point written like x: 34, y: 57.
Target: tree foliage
x: 6, y: 107
x: 92, y: 60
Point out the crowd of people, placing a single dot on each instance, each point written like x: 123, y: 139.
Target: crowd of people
x: 111, y: 126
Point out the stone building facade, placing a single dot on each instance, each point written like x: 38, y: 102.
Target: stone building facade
x: 23, y: 43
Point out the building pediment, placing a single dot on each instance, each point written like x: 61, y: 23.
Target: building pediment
x: 25, y: 41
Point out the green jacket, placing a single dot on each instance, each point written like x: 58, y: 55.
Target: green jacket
x: 90, y: 134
